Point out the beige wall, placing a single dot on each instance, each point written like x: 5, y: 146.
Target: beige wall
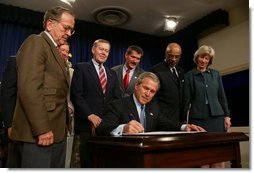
x: 231, y: 44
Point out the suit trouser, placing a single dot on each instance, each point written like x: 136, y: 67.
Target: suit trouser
x: 35, y: 156
x: 85, y: 150
x: 14, y: 155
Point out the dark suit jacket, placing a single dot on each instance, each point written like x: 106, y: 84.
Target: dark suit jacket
x: 43, y: 86
x: 8, y: 94
x: 87, y: 95
x: 195, y: 91
x: 170, y: 93
x: 119, y: 72
x: 121, y: 112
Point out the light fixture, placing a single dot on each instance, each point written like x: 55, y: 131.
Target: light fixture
x: 170, y: 24
x: 68, y: 2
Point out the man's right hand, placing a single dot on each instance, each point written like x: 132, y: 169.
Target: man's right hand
x: 95, y: 120
x: 46, y: 139
x: 133, y: 127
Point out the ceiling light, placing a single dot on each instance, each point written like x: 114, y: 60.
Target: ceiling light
x: 170, y: 24
x: 68, y: 2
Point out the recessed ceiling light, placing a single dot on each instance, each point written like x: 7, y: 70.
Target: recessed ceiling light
x: 68, y: 2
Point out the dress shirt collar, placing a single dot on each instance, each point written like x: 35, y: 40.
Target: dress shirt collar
x: 96, y: 65
x: 51, y: 38
x: 137, y: 104
x: 125, y: 68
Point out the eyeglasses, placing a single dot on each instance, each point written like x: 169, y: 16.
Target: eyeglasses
x: 66, y: 27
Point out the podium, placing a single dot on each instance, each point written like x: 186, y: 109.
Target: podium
x: 187, y: 150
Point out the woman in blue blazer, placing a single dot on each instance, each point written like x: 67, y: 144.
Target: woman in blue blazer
x: 205, y: 103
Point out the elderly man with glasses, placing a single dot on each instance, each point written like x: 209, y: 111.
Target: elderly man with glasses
x: 39, y: 123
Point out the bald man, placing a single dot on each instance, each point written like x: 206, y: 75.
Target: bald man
x: 171, y: 77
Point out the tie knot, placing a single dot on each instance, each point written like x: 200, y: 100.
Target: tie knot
x: 127, y: 70
x: 142, y: 107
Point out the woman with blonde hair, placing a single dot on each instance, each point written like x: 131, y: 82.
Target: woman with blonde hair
x: 205, y: 103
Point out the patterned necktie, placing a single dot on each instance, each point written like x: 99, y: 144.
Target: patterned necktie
x: 103, y: 79
x: 143, y: 116
x: 126, y: 79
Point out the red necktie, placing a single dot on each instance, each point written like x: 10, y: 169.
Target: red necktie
x: 126, y: 79
x: 103, y: 79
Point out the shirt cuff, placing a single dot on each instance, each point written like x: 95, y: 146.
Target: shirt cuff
x: 117, y: 131
x: 183, y: 127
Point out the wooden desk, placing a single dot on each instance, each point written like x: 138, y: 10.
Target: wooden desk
x: 167, y: 151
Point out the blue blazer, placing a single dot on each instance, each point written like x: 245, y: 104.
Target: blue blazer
x: 197, y: 86
x: 87, y: 95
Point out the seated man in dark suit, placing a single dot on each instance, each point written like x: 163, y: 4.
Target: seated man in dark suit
x: 125, y: 115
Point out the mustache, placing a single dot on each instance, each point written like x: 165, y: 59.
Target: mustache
x: 133, y: 63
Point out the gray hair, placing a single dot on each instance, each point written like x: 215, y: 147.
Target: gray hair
x: 55, y: 13
x: 204, y: 49
x: 150, y: 75
x: 100, y: 41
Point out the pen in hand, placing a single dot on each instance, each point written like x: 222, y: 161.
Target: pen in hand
x: 132, y: 117
x: 136, y: 125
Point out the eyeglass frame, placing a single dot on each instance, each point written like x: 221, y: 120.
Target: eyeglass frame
x: 65, y: 27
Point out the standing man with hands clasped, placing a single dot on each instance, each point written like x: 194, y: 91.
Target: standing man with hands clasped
x: 171, y: 78
x: 128, y: 72
x: 93, y: 87
x: 138, y: 113
x: 39, y: 122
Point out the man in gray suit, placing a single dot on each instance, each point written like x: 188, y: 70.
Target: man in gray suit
x: 128, y: 72
x: 39, y: 122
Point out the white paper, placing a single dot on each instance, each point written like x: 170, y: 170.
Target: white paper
x: 160, y: 133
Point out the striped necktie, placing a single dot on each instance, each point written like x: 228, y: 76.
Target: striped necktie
x: 103, y: 79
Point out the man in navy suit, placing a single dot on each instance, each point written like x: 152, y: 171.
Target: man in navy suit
x: 172, y: 79
x: 90, y: 98
x: 124, y: 115
x: 133, y: 56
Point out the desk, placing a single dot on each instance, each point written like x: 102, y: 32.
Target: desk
x: 167, y: 151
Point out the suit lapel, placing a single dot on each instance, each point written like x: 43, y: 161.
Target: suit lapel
x: 94, y: 74
x: 120, y: 76
x: 109, y: 79
x: 149, y: 117
x: 131, y: 109
x: 133, y: 80
x: 58, y: 58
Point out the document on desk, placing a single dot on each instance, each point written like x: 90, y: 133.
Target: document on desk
x: 160, y: 133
